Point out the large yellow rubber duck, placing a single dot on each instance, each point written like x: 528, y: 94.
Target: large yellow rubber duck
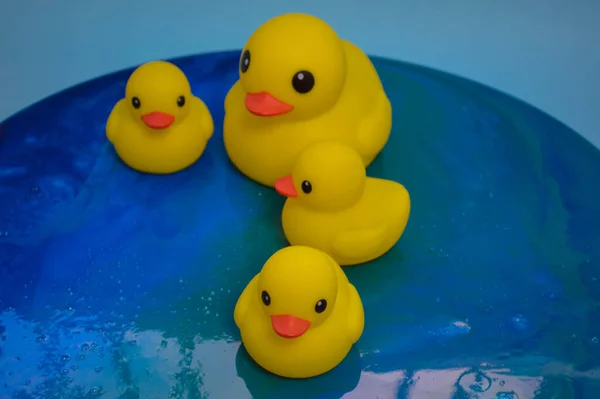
x: 335, y: 207
x: 160, y: 126
x: 300, y: 83
x: 300, y: 315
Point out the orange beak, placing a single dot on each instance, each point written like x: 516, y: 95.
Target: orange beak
x: 288, y: 326
x: 264, y: 104
x: 158, y: 120
x: 285, y: 186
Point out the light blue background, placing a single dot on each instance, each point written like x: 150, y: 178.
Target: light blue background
x: 546, y: 52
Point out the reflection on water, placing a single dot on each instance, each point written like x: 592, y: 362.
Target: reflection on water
x: 73, y: 357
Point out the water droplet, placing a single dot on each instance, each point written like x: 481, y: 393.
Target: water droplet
x: 475, y: 381
x: 520, y: 322
x: 80, y: 357
x: 65, y: 358
x: 84, y: 347
x: 163, y: 343
x: 97, y: 369
x: 64, y: 371
x: 74, y: 367
x: 41, y: 338
x: 502, y: 383
x: 594, y: 340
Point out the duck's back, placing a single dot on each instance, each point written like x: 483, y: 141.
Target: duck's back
x: 363, y: 108
x: 387, y: 202
x: 362, y: 80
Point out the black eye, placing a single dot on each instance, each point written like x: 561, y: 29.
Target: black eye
x: 245, y: 61
x: 136, y: 102
x: 303, y: 82
x: 265, y: 298
x: 181, y: 101
x: 321, y: 306
x: 306, y: 187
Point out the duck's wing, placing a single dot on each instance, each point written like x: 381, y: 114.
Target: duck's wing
x: 206, y: 119
x: 356, y: 315
x: 355, y: 244
x: 113, y: 122
x: 244, y: 301
x: 232, y: 98
x: 374, y: 130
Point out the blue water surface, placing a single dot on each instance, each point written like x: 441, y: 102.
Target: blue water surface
x: 117, y: 284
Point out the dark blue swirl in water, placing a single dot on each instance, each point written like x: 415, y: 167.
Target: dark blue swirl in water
x: 122, y: 285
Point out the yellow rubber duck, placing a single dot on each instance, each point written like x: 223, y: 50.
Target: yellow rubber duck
x: 300, y: 83
x: 333, y: 206
x: 160, y: 126
x: 299, y: 316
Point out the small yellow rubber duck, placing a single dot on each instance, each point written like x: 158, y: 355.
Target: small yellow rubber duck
x: 333, y: 206
x: 160, y: 126
x: 299, y: 316
x: 300, y: 83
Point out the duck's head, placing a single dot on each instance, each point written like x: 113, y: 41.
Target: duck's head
x: 158, y: 94
x: 293, y: 66
x: 327, y: 176
x: 297, y: 289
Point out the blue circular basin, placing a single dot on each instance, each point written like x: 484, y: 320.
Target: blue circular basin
x: 118, y: 284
